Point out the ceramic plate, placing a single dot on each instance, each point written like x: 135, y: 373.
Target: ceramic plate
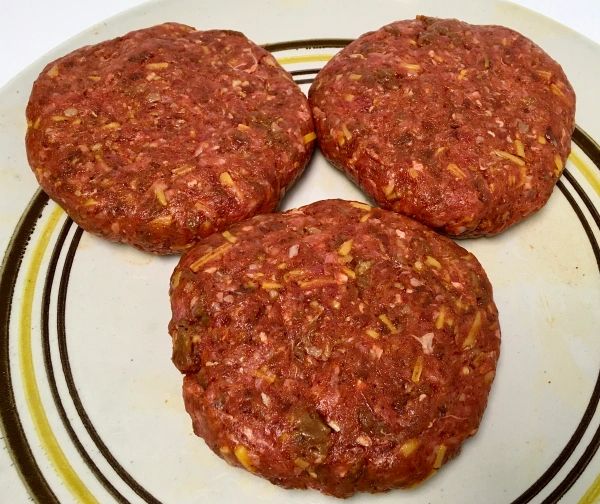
x: 91, y: 405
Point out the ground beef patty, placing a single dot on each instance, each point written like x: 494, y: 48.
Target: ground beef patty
x: 165, y: 135
x: 465, y: 128
x: 336, y: 346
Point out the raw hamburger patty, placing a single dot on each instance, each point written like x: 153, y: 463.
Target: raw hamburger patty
x: 336, y: 346
x: 166, y: 134
x: 465, y: 128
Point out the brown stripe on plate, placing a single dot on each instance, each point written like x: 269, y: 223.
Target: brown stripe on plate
x: 45, y: 316
x: 307, y: 44
x: 12, y: 428
x: 66, y: 367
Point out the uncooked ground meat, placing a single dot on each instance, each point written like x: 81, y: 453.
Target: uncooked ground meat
x: 337, y: 346
x: 466, y: 128
x: 167, y: 134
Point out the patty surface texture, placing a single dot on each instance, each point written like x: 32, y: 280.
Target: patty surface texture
x: 166, y: 134
x: 465, y: 128
x: 336, y: 346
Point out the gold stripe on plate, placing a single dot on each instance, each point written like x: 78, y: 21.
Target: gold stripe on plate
x: 592, y: 496
x: 585, y: 171
x: 32, y: 394
x: 305, y: 58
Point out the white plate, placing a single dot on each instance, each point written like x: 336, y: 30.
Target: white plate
x: 91, y: 404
